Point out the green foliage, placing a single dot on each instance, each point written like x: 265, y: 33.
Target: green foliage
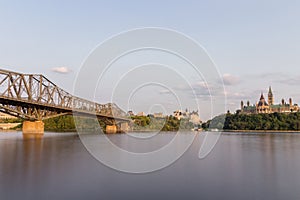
x: 205, y: 125
x: 217, y: 122
x: 67, y: 123
x: 169, y: 123
x: 11, y: 120
x: 62, y: 123
x: 273, y: 121
x: 141, y: 123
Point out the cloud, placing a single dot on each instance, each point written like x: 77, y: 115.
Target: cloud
x: 61, y: 70
x: 203, y: 90
x: 290, y: 80
x: 201, y: 84
x: 240, y: 95
x: 229, y: 79
x: 165, y: 91
x: 264, y: 75
x: 197, y: 90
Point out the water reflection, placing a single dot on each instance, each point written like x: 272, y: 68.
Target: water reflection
x: 241, y: 166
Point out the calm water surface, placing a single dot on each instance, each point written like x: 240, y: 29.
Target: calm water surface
x: 241, y: 166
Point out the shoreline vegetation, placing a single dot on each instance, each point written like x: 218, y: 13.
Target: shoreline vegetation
x: 259, y: 131
x: 273, y: 122
x: 169, y: 123
x: 140, y: 124
x: 238, y: 122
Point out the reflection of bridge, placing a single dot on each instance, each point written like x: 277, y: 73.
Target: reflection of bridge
x: 33, y: 97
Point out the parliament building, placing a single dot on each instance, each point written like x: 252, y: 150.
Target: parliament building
x: 262, y: 106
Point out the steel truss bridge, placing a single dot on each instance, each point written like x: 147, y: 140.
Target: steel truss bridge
x: 34, y: 97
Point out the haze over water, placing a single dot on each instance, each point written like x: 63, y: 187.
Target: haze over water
x: 241, y: 166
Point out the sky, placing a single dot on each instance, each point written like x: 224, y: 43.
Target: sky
x: 254, y: 44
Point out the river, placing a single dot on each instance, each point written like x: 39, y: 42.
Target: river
x: 241, y: 166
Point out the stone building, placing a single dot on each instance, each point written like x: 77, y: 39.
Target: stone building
x: 159, y: 115
x: 262, y: 106
x: 191, y: 116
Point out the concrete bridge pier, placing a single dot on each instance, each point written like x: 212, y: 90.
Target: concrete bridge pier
x: 111, y: 129
x: 123, y: 127
x: 119, y: 128
x: 33, y: 128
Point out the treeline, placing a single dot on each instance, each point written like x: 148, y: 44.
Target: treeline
x: 67, y: 124
x: 273, y: 121
x: 61, y: 123
x: 169, y: 123
x: 140, y: 123
x: 11, y: 120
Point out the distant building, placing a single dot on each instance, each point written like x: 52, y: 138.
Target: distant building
x: 158, y: 115
x: 140, y: 114
x: 262, y: 106
x: 192, y: 116
x: 178, y: 114
x: 130, y: 113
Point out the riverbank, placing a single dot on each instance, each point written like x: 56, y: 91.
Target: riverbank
x: 260, y: 131
x: 8, y: 126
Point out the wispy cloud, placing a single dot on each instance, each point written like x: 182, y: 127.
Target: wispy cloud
x: 271, y: 75
x: 241, y: 95
x: 229, y: 79
x: 165, y: 91
x: 202, y: 90
x: 61, y: 70
x: 290, y: 80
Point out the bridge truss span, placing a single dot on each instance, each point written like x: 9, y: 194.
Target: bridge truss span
x: 34, y: 97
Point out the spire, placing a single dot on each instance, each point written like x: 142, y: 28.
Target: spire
x: 270, y: 97
x: 270, y: 90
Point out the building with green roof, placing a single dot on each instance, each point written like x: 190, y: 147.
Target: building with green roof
x: 262, y: 106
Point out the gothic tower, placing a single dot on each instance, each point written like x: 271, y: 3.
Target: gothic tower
x: 270, y: 97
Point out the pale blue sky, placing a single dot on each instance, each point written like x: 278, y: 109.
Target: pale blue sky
x: 256, y: 43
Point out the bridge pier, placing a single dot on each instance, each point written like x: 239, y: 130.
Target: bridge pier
x: 33, y: 128
x: 111, y: 129
x: 119, y: 128
x: 123, y: 127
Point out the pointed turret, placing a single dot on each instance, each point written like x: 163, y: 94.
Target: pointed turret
x: 270, y: 96
x: 262, y: 101
x: 262, y: 96
x: 270, y: 90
